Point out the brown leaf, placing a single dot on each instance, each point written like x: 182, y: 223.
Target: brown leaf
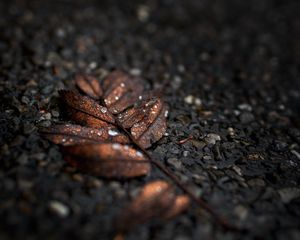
x: 111, y: 160
x: 181, y: 203
x: 154, y: 132
x: 147, y: 121
x: 86, y: 105
x: 121, y: 91
x: 87, y: 120
x: 154, y: 198
x: 89, y: 85
x: 69, y: 134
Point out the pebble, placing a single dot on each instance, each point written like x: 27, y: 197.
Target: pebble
x: 174, y: 162
x: 256, y: 182
x: 185, y: 153
x: 245, y: 106
x: 241, y: 212
x: 212, y: 138
x: 28, y: 128
x: 143, y: 12
x: 136, y: 71
x: 23, y: 159
x: 59, y: 208
x: 55, y: 113
x: 189, y: 99
x: 288, y: 194
x: 246, y: 117
x: 25, y: 100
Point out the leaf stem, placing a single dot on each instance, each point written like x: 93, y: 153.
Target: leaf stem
x: 198, y: 200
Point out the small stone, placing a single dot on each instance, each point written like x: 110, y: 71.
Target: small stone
x: 296, y: 153
x: 143, y: 13
x: 135, y: 71
x: 256, y: 182
x: 237, y: 169
x: 25, y: 100
x: 198, y: 102
x: 212, y: 138
x: 47, y: 116
x: 185, y: 153
x: 245, y: 106
x: 176, y: 82
x: 28, y: 128
x: 288, y: 194
x: 59, y: 208
x: 246, y: 117
x: 174, y: 162
x: 231, y: 131
x: 241, y: 212
x: 189, y: 99
x: 92, y: 65
x: 55, y: 113
x: 22, y: 159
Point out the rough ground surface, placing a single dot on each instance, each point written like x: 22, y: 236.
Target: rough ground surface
x: 233, y: 85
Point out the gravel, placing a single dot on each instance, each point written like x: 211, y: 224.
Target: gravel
x: 233, y: 91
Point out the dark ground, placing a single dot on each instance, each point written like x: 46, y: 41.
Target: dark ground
x: 233, y: 68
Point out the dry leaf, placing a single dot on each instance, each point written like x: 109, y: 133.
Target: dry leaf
x: 87, y: 120
x: 69, y: 134
x: 108, y: 160
x: 180, y: 204
x: 86, y: 105
x: 147, y: 121
x: 141, y: 113
x: 156, y: 200
x: 89, y: 85
x: 121, y: 91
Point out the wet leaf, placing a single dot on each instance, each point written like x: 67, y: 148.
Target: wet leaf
x: 147, y: 121
x: 89, y: 85
x: 181, y: 203
x: 111, y: 160
x: 121, y: 91
x: 156, y: 200
x: 69, y: 134
x: 86, y: 105
x: 87, y: 120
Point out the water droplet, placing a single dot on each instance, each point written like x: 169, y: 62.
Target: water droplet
x: 166, y: 113
x: 64, y: 140
x: 139, y: 154
x: 103, y: 110
x: 116, y: 97
x: 140, y: 97
x: 116, y: 146
x: 122, y: 85
x: 112, y: 132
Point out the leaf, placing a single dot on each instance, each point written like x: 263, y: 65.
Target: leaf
x: 156, y: 200
x: 108, y: 160
x: 89, y: 85
x: 87, y: 120
x: 121, y: 91
x: 180, y: 204
x: 86, y: 105
x: 147, y: 121
x: 69, y: 134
